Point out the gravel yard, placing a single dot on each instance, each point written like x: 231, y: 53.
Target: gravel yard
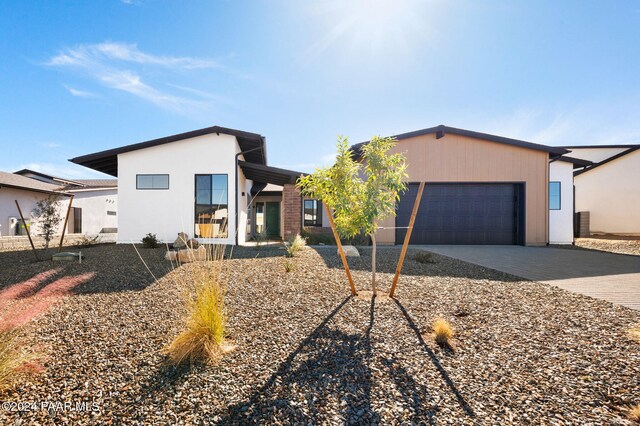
x: 525, y: 353
x: 629, y: 245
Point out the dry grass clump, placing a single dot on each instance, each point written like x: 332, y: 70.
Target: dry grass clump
x: 634, y: 413
x: 289, y: 266
x: 12, y: 356
x: 203, y: 339
x: 423, y: 257
x: 442, y: 332
x: 294, y: 245
x: 634, y: 334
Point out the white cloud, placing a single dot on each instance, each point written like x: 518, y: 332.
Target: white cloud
x: 80, y: 93
x: 111, y: 65
x: 51, y: 145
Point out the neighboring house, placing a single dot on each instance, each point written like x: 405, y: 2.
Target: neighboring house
x: 27, y: 192
x: 482, y: 189
x: 94, y: 207
x: 609, y: 189
x: 211, y: 183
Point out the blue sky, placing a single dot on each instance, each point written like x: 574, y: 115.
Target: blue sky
x: 83, y: 76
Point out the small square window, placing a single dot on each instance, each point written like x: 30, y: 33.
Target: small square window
x: 554, y: 195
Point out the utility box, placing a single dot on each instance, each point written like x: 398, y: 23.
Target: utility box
x: 581, y: 225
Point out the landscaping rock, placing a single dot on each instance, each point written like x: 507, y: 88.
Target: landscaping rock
x: 350, y: 251
x: 171, y: 255
x: 181, y: 241
x: 193, y: 243
x: 189, y: 255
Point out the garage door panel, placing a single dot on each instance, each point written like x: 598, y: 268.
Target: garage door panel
x: 460, y: 214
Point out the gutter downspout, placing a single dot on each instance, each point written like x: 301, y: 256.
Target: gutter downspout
x: 236, y: 195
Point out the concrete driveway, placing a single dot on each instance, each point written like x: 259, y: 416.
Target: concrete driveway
x: 608, y: 276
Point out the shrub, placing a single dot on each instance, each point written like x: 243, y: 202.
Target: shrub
x: 315, y: 239
x: 289, y: 266
x: 150, y: 241
x: 634, y: 413
x: 11, y: 356
x: 423, y: 257
x: 634, y: 334
x: 442, y: 332
x: 261, y: 238
x: 87, y: 241
x: 294, y: 245
x: 203, y: 337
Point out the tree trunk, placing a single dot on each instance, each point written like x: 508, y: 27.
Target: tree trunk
x: 373, y: 263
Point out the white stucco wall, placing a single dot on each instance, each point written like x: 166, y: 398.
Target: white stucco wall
x: 595, y: 154
x: 561, y: 221
x: 611, y: 192
x: 95, y: 205
x: 27, y: 201
x: 168, y: 212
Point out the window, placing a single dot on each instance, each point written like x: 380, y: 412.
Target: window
x: 152, y: 181
x: 312, y: 213
x: 211, y: 208
x: 554, y: 195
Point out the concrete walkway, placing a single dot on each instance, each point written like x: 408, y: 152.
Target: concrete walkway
x: 607, y: 276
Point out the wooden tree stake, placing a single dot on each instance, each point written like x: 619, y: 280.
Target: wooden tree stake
x: 407, y: 237
x: 342, y: 256
x: 35, y: 252
x: 66, y: 219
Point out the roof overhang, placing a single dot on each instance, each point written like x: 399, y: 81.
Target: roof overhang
x: 577, y: 162
x: 608, y: 160
x: 25, y: 188
x: 259, y: 173
x: 441, y: 130
x: 107, y: 161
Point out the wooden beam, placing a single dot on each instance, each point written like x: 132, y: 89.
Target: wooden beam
x: 340, y: 250
x: 35, y: 252
x: 66, y: 220
x: 407, y: 237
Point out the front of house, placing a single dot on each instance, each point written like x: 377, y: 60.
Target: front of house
x: 215, y: 185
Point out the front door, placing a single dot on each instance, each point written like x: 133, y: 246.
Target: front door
x: 273, y: 219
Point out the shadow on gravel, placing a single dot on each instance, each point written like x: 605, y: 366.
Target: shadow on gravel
x: 434, y: 359
x: 327, y: 365
x: 387, y: 262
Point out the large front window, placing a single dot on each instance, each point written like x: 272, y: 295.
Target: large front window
x: 212, y: 210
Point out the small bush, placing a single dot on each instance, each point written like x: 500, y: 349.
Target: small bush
x: 315, y: 239
x: 634, y: 413
x: 442, y: 332
x: 150, y: 241
x: 634, y: 334
x: 294, y: 246
x: 289, y: 266
x: 87, y: 241
x: 12, y: 356
x: 206, y: 319
x: 423, y: 257
x: 260, y: 238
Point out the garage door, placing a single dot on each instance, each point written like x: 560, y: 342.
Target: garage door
x: 460, y: 213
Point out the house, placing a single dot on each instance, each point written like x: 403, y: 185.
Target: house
x: 610, y: 188
x: 213, y: 184
x: 94, y: 207
x: 483, y: 189
x: 27, y: 192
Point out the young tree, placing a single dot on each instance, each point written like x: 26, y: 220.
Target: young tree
x: 361, y: 194
x: 47, y: 215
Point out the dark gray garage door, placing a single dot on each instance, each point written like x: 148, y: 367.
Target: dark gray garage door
x: 460, y: 213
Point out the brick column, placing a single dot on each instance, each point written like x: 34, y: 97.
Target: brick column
x: 291, y: 211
